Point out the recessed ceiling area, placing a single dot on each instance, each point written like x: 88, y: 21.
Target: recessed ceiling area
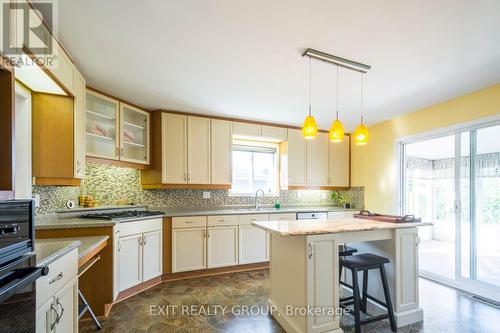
x: 243, y: 58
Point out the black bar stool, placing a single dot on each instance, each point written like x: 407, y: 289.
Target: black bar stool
x: 363, y: 263
x: 345, y: 251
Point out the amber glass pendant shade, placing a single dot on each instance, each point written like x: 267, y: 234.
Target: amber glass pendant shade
x: 309, y: 128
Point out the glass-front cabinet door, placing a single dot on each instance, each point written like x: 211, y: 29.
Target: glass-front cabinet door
x: 134, y: 134
x: 101, y: 126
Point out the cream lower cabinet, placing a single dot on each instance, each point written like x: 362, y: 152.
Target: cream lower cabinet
x: 222, y: 246
x: 139, y: 252
x: 189, y: 249
x: 253, y: 241
x: 57, y: 296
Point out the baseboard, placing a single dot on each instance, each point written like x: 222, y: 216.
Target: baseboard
x: 214, y: 271
x: 127, y: 293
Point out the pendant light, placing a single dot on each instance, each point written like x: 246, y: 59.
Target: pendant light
x: 336, y: 132
x: 309, y: 128
x: 361, y: 132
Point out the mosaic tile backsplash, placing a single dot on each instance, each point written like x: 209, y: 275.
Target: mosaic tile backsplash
x: 111, y: 185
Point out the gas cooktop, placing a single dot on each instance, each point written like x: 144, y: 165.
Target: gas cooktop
x: 129, y: 214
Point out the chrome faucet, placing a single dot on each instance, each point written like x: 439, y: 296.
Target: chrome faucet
x: 256, y: 194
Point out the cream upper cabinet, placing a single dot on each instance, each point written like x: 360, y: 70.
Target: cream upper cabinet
x: 276, y: 133
x: 79, y: 125
x: 296, y: 157
x: 221, y: 152
x: 174, y: 146
x: 134, y: 134
x: 63, y: 67
x: 338, y: 163
x: 198, y: 152
x: 317, y: 160
x: 246, y: 130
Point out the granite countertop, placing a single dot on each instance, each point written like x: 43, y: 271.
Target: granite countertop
x: 247, y: 210
x: 50, y: 249
x: 80, y: 209
x: 317, y: 227
x: 53, y: 221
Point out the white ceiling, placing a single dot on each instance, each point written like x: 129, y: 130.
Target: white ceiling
x: 243, y: 58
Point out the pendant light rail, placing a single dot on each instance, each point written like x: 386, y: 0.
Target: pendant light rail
x: 342, y: 62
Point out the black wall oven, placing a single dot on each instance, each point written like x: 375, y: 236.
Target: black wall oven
x: 18, y: 270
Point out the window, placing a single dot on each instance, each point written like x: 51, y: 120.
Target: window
x: 255, y: 166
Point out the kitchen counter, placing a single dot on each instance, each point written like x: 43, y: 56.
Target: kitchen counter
x: 50, y: 249
x: 248, y: 210
x: 318, y: 227
x: 54, y: 221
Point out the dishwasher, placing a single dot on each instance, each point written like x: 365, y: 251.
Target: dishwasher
x: 312, y: 216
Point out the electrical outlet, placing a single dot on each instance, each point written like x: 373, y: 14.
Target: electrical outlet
x: 206, y: 194
x: 37, y: 200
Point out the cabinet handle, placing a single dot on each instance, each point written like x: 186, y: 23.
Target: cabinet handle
x: 208, y: 233
x: 57, y: 278
x: 220, y: 221
x: 54, y: 323
x: 204, y: 234
x: 140, y: 240
x: 144, y: 240
x: 121, y: 152
x: 418, y: 240
x: 119, y: 246
x: 311, y: 252
x: 117, y: 153
x: 62, y: 311
x: 189, y: 222
x: 78, y: 167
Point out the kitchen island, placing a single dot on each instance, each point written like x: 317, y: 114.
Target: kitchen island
x: 304, y: 268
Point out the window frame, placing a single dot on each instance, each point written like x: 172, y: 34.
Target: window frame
x: 262, y: 145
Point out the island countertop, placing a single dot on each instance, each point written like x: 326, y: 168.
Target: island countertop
x: 332, y: 226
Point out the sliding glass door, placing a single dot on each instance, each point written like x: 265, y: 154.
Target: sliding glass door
x: 453, y: 181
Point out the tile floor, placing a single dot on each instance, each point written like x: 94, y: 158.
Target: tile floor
x: 160, y: 309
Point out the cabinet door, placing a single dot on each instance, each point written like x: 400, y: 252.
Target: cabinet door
x: 247, y: 130
x: 222, y: 145
x: 253, y: 244
x: 130, y: 256
x: 188, y: 249
x: 152, y: 255
x: 317, y: 160
x: 66, y: 302
x: 198, y: 150
x: 134, y: 134
x: 101, y: 126
x: 222, y: 248
x: 275, y: 133
x: 322, y: 285
x: 63, y: 67
x: 338, y: 163
x: 174, y: 146
x: 296, y: 153
x: 116, y: 261
x: 79, y: 125
x: 45, y: 317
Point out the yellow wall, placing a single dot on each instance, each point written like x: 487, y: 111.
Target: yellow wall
x: 374, y: 165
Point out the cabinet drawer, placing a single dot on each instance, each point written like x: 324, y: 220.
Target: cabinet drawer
x: 248, y: 219
x: 61, y: 272
x: 138, y: 227
x: 283, y: 217
x: 217, y: 220
x: 189, y: 222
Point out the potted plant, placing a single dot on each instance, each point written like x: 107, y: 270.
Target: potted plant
x: 341, y: 199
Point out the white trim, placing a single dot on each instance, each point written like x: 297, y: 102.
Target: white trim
x: 23, y: 130
x: 480, y: 289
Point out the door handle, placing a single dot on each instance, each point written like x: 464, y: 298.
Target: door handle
x: 311, y: 251
x: 57, y: 278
